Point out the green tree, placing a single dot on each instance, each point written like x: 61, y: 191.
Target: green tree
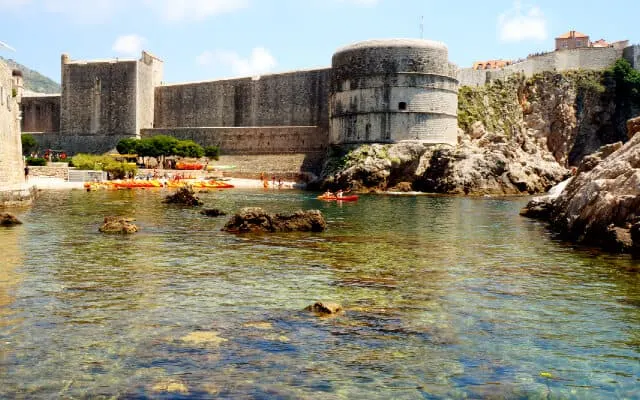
x: 627, y: 81
x: 29, y: 144
x: 127, y: 146
x: 212, y: 152
x: 188, y: 148
x: 117, y: 169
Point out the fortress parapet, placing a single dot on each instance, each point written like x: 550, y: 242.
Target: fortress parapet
x: 386, y: 91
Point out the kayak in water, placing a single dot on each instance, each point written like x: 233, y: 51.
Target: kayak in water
x: 352, y: 197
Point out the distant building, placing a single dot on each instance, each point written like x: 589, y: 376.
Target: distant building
x: 572, y: 40
x: 600, y: 43
x: 491, y: 64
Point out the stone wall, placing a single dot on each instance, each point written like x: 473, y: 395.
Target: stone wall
x: 60, y: 172
x: 589, y: 58
x: 73, y: 144
x: 632, y: 54
x: 11, y: 164
x: 385, y: 91
x: 41, y: 113
x: 98, y: 104
x: 149, y: 76
x: 289, y: 99
x: 252, y: 140
x: 472, y: 77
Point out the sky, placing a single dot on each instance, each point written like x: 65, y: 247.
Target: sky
x: 211, y: 39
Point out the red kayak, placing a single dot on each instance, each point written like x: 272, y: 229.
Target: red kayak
x: 353, y: 197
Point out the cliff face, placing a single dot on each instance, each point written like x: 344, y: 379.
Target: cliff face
x: 601, y: 205
x: 516, y: 136
x: 570, y: 114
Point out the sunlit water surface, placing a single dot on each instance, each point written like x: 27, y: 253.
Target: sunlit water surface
x: 445, y: 298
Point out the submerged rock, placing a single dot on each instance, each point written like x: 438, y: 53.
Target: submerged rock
x: 324, y: 308
x: 7, y: 219
x: 185, y: 196
x: 213, y: 212
x: 255, y: 219
x: 206, y: 338
x: 170, y: 386
x: 118, y: 225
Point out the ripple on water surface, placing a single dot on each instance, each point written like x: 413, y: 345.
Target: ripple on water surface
x: 444, y: 297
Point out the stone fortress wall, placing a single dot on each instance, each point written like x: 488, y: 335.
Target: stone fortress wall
x: 386, y: 91
x: 587, y: 58
x: 270, y: 114
x: 41, y: 113
x: 11, y: 165
x: 13, y: 188
x: 376, y: 91
x: 101, y: 102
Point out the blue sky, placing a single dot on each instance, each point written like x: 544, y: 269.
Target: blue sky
x: 210, y: 39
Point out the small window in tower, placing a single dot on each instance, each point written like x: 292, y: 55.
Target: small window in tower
x: 402, y: 106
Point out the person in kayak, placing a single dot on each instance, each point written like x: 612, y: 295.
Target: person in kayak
x: 339, y: 193
x: 328, y: 193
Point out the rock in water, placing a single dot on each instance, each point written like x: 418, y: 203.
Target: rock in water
x: 324, y: 308
x: 118, y: 225
x: 213, y: 212
x: 185, y: 196
x: 601, y: 204
x: 255, y: 219
x: 7, y: 219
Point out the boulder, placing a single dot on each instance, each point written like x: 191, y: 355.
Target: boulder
x: 633, y: 126
x: 213, y: 212
x: 114, y: 224
x: 601, y: 206
x: 538, y: 208
x: 185, y: 196
x: 324, y: 308
x: 7, y: 219
x: 255, y: 219
x: 635, y: 238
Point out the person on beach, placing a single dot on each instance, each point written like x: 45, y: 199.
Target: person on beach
x: 26, y: 173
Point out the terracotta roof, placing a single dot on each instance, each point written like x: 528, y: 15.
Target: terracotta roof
x: 600, y: 43
x: 575, y: 34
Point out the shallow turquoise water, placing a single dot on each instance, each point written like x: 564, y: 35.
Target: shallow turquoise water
x: 446, y: 298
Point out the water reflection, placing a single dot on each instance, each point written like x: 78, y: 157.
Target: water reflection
x: 445, y: 297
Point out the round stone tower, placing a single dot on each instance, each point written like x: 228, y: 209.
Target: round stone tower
x: 387, y: 91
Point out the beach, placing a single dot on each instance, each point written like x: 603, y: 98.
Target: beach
x: 44, y: 183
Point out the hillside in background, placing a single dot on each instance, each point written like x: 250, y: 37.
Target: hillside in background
x: 33, y: 80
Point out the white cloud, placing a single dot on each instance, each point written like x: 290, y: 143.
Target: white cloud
x: 516, y: 24
x: 259, y: 62
x: 180, y: 10
x: 129, y: 45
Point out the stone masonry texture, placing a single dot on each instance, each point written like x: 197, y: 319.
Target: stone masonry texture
x: 11, y: 165
x: 393, y: 90
x: 376, y: 91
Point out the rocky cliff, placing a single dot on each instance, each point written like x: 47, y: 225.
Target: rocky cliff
x: 601, y: 205
x: 515, y: 136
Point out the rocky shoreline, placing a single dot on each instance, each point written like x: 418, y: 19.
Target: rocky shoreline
x: 600, y: 206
